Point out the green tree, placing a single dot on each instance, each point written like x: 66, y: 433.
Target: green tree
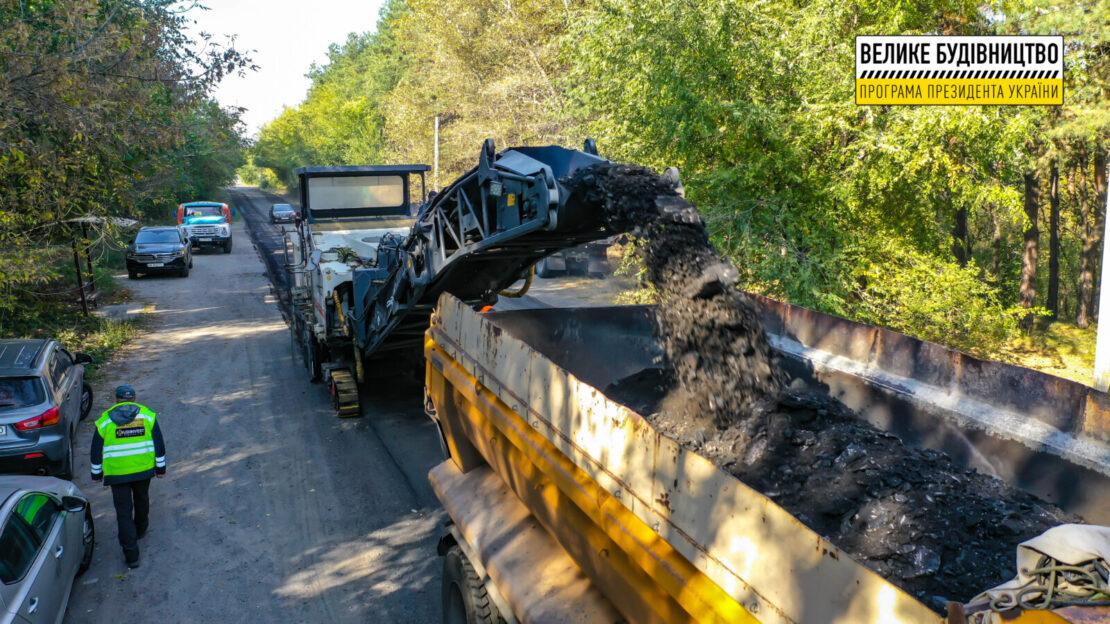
x: 105, y: 112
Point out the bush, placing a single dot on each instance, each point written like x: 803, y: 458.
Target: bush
x: 262, y: 177
x: 934, y: 300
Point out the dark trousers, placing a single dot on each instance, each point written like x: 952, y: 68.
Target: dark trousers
x: 132, y: 501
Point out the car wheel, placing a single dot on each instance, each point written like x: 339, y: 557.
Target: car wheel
x: 67, y: 464
x: 86, y: 400
x: 185, y: 271
x: 132, y: 274
x: 88, y: 539
x: 190, y: 262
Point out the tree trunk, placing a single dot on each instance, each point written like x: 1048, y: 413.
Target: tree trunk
x: 1098, y: 209
x: 960, y: 247
x: 1028, y: 291
x: 1052, y: 299
x: 996, y: 248
x: 1084, y: 308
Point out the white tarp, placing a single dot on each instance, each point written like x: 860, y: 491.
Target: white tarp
x: 1069, y: 544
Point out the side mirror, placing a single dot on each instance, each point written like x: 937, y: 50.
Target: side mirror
x: 73, y: 504
x: 83, y: 358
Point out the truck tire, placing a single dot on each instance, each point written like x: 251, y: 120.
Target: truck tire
x: 312, y: 358
x: 544, y: 270
x: 465, y: 600
x: 227, y: 246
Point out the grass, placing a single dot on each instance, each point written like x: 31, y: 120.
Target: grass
x: 51, y: 309
x: 637, y: 296
x: 1057, y: 348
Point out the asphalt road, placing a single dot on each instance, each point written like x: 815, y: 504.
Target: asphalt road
x: 273, y: 510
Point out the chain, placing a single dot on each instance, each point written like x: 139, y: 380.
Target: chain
x: 1056, y: 585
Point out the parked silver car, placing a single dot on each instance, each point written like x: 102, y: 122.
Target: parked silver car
x: 46, y: 539
x: 43, y: 395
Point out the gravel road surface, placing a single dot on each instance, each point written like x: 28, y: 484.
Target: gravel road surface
x: 273, y: 510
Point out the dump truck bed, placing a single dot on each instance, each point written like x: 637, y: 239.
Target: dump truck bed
x: 680, y: 539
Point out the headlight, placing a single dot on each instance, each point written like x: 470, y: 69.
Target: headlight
x: 180, y: 253
x: 223, y: 229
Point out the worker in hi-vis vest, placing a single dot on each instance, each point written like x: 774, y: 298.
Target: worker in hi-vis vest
x: 127, y: 450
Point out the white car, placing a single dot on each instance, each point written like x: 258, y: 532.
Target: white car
x: 46, y: 540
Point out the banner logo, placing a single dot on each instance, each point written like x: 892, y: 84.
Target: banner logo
x: 1006, y: 70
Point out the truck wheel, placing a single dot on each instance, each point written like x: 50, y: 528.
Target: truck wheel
x: 312, y: 358
x: 544, y: 270
x: 465, y: 600
x: 227, y: 247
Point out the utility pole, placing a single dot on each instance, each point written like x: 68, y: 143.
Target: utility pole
x: 435, y: 159
x: 1102, y: 342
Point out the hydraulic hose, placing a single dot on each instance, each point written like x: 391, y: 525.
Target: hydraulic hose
x: 523, y: 289
x: 360, y: 375
x: 339, y: 309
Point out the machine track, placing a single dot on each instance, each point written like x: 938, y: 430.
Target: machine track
x: 344, y: 393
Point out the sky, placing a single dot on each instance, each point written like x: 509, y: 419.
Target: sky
x: 283, y: 38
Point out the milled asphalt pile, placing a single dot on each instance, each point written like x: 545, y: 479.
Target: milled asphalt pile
x: 936, y: 530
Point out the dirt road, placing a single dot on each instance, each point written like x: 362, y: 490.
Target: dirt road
x: 272, y: 510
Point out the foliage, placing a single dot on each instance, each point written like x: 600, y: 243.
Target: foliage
x: 254, y: 175
x: 486, y: 69
x: 106, y: 112
x: 1058, y: 348
x: 96, y: 336
x: 818, y: 201
x: 48, y: 307
x: 341, y: 120
x: 934, y: 300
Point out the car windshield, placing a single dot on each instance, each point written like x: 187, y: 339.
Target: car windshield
x: 17, y: 392
x: 280, y: 208
x: 157, y: 236
x: 203, y: 211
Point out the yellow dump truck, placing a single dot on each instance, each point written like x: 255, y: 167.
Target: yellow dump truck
x: 568, y: 507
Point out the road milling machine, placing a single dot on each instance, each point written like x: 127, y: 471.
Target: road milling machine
x: 366, y: 268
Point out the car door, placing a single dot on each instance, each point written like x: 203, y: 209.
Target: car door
x: 32, y: 553
x: 69, y: 390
